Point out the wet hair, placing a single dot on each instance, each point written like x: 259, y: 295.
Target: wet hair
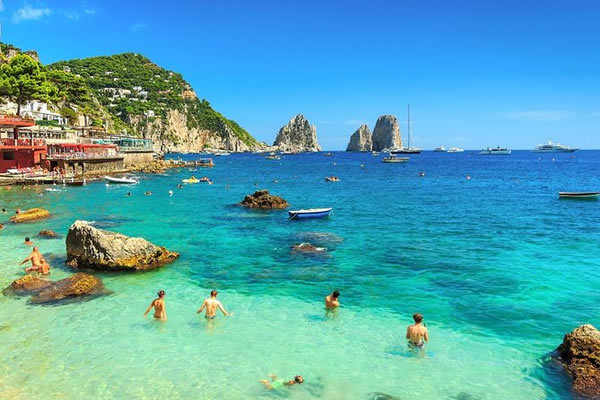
x: 161, y: 293
x: 213, y: 293
x: 27, y: 238
x: 298, y: 379
x: 4, y: 210
x: 418, y: 317
x: 335, y: 294
x: 36, y: 249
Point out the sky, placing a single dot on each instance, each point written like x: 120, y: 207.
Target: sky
x: 476, y: 73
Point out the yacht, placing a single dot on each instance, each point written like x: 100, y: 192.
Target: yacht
x: 553, y: 148
x: 455, y: 150
x: 498, y: 151
x: 440, y: 149
x: 409, y: 149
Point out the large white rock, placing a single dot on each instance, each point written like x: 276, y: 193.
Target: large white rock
x: 360, y: 140
x: 297, y: 136
x: 386, y: 133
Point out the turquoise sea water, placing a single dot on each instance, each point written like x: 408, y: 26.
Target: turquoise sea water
x: 499, y: 266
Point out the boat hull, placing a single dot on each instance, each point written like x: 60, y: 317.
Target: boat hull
x: 122, y: 181
x: 395, y: 160
x: 495, y: 153
x: 306, y: 214
x: 578, y: 195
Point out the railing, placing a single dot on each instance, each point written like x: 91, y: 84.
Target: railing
x: 22, y: 142
x: 81, y: 156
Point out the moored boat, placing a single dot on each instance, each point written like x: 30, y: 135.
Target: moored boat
x: 204, y: 162
x: 578, y: 195
x: 498, y: 151
x: 74, y: 182
x: 409, y: 149
x: 454, y: 150
x: 310, y: 213
x: 440, y: 149
x: 273, y: 157
x: 395, y: 159
x: 553, y: 148
x: 193, y: 179
x: 121, y: 180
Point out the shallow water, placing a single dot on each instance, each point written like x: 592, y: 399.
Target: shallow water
x: 498, y: 265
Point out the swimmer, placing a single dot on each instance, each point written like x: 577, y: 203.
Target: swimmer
x: 36, y: 261
x: 417, y: 334
x: 148, y: 193
x: 170, y: 193
x: 179, y: 186
x: 332, y: 301
x: 4, y: 211
x: 128, y: 193
x: 422, y: 173
x: 28, y: 241
x: 18, y: 211
x: 1, y: 226
x: 275, y: 383
x: 211, y: 304
x: 160, y: 312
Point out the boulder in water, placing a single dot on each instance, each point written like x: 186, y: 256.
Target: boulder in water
x: 264, y: 200
x: 89, y: 247
x: 579, y: 354
x: 76, y: 286
x: 28, y: 284
x: 307, y: 248
x: 48, y: 233
x: 33, y: 214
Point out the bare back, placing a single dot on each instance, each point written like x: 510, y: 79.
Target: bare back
x: 159, y: 308
x: 211, y: 307
x: 331, y: 303
x: 417, y: 333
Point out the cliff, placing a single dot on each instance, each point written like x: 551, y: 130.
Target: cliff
x: 360, y: 140
x: 297, y: 136
x: 386, y: 133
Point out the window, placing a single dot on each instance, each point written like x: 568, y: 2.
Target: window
x: 9, y: 155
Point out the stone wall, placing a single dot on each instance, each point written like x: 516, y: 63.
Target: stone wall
x: 93, y: 166
x: 137, y: 157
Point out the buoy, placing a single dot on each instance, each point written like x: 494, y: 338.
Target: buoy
x: 468, y: 177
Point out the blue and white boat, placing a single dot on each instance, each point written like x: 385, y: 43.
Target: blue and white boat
x: 310, y: 213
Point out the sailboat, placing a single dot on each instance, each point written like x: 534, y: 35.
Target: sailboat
x: 409, y: 149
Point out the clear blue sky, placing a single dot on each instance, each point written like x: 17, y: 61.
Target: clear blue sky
x: 478, y: 73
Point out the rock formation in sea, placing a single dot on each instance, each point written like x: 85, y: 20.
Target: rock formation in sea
x: 307, y: 248
x: 297, y: 136
x: 360, y: 140
x: 579, y: 354
x: 264, y: 200
x: 44, y: 291
x: 48, y: 233
x: 33, y: 214
x: 89, y: 247
x: 386, y: 133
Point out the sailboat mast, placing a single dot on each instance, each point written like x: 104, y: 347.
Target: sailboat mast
x: 409, y: 126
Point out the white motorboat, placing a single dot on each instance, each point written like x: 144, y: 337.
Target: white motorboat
x: 395, y: 159
x: 122, y: 180
x: 455, y: 150
x: 553, y: 148
x: 440, y: 149
x: 498, y: 151
x: 578, y: 195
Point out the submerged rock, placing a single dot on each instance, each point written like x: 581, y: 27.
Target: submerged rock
x: 579, y: 354
x: 28, y: 284
x: 360, y: 140
x: 386, y: 133
x: 297, y: 136
x: 48, y: 233
x: 78, y: 285
x: 307, y: 248
x: 264, y: 200
x: 89, y: 247
x: 33, y: 214
x: 382, y: 396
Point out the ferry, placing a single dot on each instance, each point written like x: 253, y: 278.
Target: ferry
x: 553, y: 148
x: 498, y: 151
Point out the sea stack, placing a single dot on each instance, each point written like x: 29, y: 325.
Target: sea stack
x: 297, y: 136
x: 360, y: 140
x: 386, y: 134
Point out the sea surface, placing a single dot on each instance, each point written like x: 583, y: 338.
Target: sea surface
x: 498, y: 265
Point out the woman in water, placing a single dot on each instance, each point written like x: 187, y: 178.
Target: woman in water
x: 160, y: 311
x: 280, y: 383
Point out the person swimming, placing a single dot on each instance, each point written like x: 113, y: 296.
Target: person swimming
x: 160, y: 312
x: 28, y: 241
x: 276, y: 383
x: 332, y: 301
x: 417, y: 334
x: 38, y: 263
x: 211, y: 304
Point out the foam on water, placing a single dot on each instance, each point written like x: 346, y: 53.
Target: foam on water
x: 500, y: 268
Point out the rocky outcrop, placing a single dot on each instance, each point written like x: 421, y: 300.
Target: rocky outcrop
x: 48, y: 233
x: 76, y: 286
x: 89, y: 247
x: 580, y: 355
x: 386, y: 133
x: 264, y: 200
x: 297, y: 136
x: 33, y: 214
x: 28, y: 284
x: 307, y: 248
x: 360, y: 140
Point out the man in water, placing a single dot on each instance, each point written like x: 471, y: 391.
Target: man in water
x: 160, y: 312
x: 332, y: 301
x: 417, y: 334
x: 37, y: 262
x: 279, y: 383
x: 28, y: 241
x: 211, y: 304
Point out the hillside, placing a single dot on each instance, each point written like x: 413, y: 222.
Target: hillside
x: 128, y: 92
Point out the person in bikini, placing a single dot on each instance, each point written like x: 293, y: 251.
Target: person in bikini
x: 417, y: 333
x: 160, y: 312
x: 211, y: 304
x: 275, y: 383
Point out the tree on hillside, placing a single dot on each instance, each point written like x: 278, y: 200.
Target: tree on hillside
x: 23, y: 79
x: 71, y: 88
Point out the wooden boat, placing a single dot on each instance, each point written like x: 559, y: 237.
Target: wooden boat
x: 204, y: 162
x: 74, y: 182
x: 578, y: 195
x: 310, y: 213
x: 395, y: 159
x: 121, y: 180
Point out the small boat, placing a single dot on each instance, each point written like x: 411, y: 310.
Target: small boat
x: 395, y: 159
x: 74, y: 182
x: 310, y: 213
x: 122, y: 180
x: 332, y: 179
x: 204, y: 162
x: 578, y: 195
x: 440, y: 149
x: 455, y: 150
x: 553, y: 148
x: 190, y: 180
x: 328, y: 154
x: 204, y: 179
x: 273, y: 157
x: 409, y: 149
x: 498, y: 151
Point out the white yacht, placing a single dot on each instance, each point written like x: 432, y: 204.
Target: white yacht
x: 440, y: 149
x: 553, y: 148
x: 498, y: 151
x: 409, y: 149
x: 455, y: 150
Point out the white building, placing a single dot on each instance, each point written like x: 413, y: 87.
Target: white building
x: 39, y: 111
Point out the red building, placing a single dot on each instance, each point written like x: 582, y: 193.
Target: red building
x: 18, y: 153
